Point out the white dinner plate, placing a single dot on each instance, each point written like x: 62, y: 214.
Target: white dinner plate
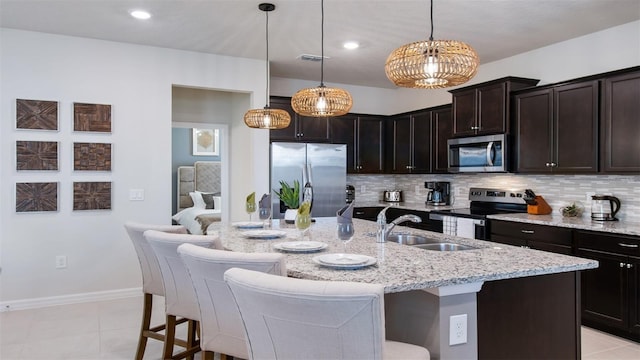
x: 264, y: 234
x: 300, y: 246
x: 248, y: 224
x: 344, y: 261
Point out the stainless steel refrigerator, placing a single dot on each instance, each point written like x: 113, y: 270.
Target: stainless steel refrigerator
x: 326, y: 165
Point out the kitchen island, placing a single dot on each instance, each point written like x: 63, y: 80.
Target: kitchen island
x: 424, y: 288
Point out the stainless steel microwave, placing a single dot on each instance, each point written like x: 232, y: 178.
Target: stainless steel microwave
x: 478, y: 154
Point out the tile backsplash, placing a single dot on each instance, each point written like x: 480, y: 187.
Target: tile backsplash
x: 558, y: 190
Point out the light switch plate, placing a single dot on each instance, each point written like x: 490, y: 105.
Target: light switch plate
x: 136, y: 194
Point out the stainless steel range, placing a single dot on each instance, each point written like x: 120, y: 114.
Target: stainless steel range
x: 472, y: 222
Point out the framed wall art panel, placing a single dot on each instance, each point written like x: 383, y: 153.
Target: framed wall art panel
x: 36, y: 197
x: 91, y: 156
x: 36, y: 155
x: 92, y: 195
x: 36, y: 114
x: 92, y: 117
x: 206, y: 142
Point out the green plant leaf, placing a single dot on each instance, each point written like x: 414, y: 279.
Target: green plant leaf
x: 290, y: 196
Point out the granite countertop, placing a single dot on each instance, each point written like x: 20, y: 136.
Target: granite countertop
x: 584, y: 223
x: 401, y: 267
x: 408, y: 204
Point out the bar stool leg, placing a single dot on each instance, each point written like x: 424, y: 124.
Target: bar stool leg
x: 169, y: 337
x: 146, y: 324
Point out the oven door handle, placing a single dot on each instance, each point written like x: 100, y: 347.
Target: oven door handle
x: 491, y: 153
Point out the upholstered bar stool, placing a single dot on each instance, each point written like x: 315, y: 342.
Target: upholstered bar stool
x: 151, y: 279
x: 179, y: 295
x: 287, y: 318
x: 220, y: 322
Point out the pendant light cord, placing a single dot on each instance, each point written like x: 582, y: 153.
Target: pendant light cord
x: 322, y: 43
x: 431, y: 13
x: 268, y: 75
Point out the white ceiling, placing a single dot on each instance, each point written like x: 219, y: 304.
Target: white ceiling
x: 495, y: 28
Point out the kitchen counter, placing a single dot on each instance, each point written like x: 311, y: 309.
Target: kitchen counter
x: 404, y: 268
x: 408, y: 205
x: 583, y: 223
x: 424, y: 289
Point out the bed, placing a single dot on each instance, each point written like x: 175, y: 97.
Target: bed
x: 198, y: 196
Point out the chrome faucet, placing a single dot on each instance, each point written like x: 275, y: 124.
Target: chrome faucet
x: 385, y: 229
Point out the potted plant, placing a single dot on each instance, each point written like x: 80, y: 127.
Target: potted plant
x: 290, y: 196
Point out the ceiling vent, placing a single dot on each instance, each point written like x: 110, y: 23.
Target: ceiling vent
x: 309, y: 57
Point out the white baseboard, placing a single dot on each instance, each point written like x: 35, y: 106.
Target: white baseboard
x: 69, y: 299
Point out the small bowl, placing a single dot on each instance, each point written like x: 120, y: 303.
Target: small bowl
x: 574, y: 210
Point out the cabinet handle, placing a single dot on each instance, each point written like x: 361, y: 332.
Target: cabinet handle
x: 475, y: 128
x: 621, y: 265
x: 547, y: 164
x: 634, y: 246
x: 553, y: 164
x: 359, y: 212
x: 527, y: 231
x: 629, y: 266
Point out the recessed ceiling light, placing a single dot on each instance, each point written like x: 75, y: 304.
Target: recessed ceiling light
x: 351, y: 45
x: 140, y: 14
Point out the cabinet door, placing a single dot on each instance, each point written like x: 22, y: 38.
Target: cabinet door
x: 533, y: 133
x: 620, y: 126
x: 370, y: 145
x: 576, y: 128
x: 604, y: 299
x: 634, y: 296
x: 492, y: 108
x: 464, y: 113
x: 442, y: 130
x: 421, y: 143
x: 314, y: 129
x: 289, y: 133
x: 343, y: 131
x: 399, y: 135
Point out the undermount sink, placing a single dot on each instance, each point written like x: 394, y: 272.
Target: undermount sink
x: 410, y: 239
x: 444, y: 247
x: 426, y: 243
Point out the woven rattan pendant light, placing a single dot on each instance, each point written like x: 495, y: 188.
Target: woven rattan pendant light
x: 321, y: 101
x: 432, y: 64
x: 267, y: 118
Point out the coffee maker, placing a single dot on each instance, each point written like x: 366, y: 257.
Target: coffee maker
x: 439, y: 193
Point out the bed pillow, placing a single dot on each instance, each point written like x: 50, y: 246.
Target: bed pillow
x: 208, y: 200
x: 198, y: 201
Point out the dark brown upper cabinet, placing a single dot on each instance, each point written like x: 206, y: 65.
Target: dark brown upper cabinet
x: 620, y: 124
x: 417, y: 142
x: 302, y: 128
x: 364, y: 137
x: 557, y: 129
x: 483, y: 109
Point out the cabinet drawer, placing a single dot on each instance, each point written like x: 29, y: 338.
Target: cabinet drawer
x: 617, y: 244
x: 539, y: 233
x: 367, y: 213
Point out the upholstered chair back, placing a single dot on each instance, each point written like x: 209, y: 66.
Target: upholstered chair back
x: 180, y: 298
x: 287, y: 318
x: 222, y: 329
x: 151, y: 276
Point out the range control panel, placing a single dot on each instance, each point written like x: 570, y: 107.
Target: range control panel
x: 496, y: 195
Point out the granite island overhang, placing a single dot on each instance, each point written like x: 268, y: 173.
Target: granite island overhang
x: 424, y: 288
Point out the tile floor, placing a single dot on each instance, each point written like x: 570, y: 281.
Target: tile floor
x: 109, y: 330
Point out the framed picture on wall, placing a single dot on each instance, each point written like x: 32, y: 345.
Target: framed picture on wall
x: 206, y: 142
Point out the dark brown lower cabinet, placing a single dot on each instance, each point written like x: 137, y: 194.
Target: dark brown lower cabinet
x: 610, y: 293
x: 534, y: 317
x: 539, y: 237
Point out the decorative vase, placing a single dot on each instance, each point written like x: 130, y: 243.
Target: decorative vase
x: 290, y: 216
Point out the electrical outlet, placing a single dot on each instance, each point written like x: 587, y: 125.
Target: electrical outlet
x: 61, y: 262
x: 458, y: 329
